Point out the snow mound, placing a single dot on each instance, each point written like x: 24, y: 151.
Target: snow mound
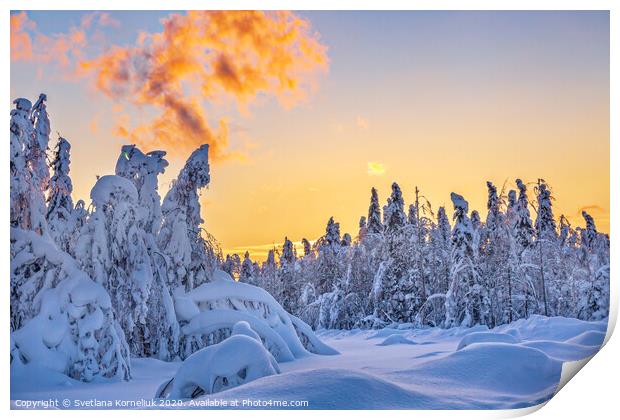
x: 109, y: 186
x: 337, y: 389
x: 233, y: 362
x: 538, y: 327
x: 562, y: 351
x: 386, y: 332
x: 396, y: 339
x: 589, y: 338
x: 498, y: 367
x: 222, y: 303
x: 486, y: 337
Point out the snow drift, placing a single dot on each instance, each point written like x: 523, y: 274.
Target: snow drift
x: 396, y: 339
x: 334, y: 389
x: 485, y: 337
x: 498, y: 366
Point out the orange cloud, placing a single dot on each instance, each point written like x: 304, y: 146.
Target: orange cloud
x: 21, y: 43
x: 240, y: 55
x: 64, y: 49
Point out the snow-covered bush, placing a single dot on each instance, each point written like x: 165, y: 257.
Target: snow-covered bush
x: 65, y: 320
x: 209, y: 312
x: 235, y: 361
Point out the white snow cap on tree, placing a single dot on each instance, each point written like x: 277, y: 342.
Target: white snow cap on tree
x: 459, y: 203
x: 111, y: 188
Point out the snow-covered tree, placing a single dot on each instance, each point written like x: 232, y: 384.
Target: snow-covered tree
x: 192, y: 253
x: 466, y: 300
x: 495, y: 270
x: 27, y: 200
x: 522, y: 226
x: 60, y: 217
x: 374, y: 225
x: 248, y: 273
x: 393, y: 288
x: 441, y: 244
x: 329, y: 268
x: 288, y: 289
x: 37, y: 149
x: 161, y: 332
x: 395, y: 218
x: 594, y: 257
x: 112, y: 249
x: 143, y: 170
x: 546, y: 243
x: 269, y: 273
x: 523, y: 233
x: 307, y: 247
x: 60, y: 318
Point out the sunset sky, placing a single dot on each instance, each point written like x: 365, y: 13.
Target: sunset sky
x: 308, y: 110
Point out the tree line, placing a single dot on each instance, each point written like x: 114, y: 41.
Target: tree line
x: 411, y: 265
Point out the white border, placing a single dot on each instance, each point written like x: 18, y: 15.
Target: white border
x: 593, y: 394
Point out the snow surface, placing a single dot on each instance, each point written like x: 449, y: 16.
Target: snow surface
x: 431, y: 374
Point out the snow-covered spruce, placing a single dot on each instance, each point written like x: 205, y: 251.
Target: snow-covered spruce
x: 65, y: 320
x: 37, y: 150
x: 238, y: 359
x: 192, y: 252
x: 64, y: 220
x: 209, y: 312
x: 466, y: 300
x: 27, y: 200
x: 112, y: 249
